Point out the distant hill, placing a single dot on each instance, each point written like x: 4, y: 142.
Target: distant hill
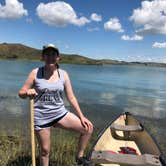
x: 21, y: 52
x: 18, y: 51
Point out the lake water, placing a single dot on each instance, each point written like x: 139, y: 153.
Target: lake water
x: 102, y: 91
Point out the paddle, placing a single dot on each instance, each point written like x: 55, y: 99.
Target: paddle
x: 32, y: 131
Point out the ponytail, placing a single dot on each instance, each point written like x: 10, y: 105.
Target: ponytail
x: 57, y: 65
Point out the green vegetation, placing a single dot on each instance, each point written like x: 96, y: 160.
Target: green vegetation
x: 21, y: 52
x: 18, y: 51
x: 16, y: 150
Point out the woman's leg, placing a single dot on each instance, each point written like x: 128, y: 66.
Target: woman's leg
x: 71, y: 122
x: 43, y: 137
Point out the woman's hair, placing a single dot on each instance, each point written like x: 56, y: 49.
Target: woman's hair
x: 44, y: 51
x: 57, y: 65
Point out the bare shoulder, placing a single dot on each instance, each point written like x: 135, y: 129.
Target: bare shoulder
x: 66, y: 76
x: 33, y: 73
x: 30, y: 79
x: 35, y: 70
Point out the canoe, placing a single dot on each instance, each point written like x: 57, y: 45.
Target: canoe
x: 125, y: 142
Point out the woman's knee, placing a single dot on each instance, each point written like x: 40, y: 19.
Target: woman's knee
x: 89, y: 131
x: 43, y: 137
x: 45, y: 151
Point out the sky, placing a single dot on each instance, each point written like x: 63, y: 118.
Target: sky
x: 128, y: 30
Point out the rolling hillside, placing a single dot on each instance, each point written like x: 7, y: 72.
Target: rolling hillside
x: 22, y: 52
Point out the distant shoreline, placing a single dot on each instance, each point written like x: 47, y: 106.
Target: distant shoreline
x: 117, y: 64
x: 20, y: 52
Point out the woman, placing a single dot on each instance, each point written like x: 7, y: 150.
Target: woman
x: 46, y: 84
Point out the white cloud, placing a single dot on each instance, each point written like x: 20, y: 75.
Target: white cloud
x: 132, y: 38
x: 80, y: 21
x: 159, y: 45
x: 150, y: 17
x: 93, y: 29
x: 59, y: 13
x: 13, y: 9
x: 114, y: 25
x: 96, y: 17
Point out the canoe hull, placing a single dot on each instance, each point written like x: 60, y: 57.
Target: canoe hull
x: 125, y: 133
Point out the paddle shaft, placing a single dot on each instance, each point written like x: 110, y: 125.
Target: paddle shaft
x: 32, y: 131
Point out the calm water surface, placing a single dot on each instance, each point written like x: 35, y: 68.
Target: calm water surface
x: 102, y: 91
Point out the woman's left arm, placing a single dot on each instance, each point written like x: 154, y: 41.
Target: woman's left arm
x: 73, y: 101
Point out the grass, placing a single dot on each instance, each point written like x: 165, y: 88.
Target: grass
x: 15, y: 150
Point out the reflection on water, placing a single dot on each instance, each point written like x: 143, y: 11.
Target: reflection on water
x: 102, y: 91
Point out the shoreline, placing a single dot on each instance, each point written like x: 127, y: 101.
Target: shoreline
x: 25, y: 53
x: 141, y: 64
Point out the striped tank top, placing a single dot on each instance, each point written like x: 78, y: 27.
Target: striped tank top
x: 48, y: 104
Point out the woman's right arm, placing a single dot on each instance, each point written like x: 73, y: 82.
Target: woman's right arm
x: 26, y: 89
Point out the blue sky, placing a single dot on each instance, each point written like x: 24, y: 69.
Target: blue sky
x: 129, y: 30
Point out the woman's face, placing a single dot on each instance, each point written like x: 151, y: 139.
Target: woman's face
x: 50, y: 56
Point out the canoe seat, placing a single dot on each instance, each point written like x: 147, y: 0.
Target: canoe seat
x: 126, y: 128
x: 105, y: 157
